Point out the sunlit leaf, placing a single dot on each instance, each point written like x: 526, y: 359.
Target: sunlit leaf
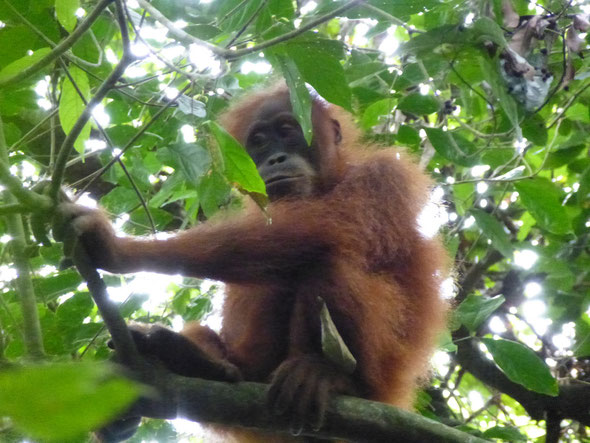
x: 71, y: 105
x: 14, y: 68
x: 522, y: 366
x: 238, y: 165
x: 65, y: 10
x: 474, y: 310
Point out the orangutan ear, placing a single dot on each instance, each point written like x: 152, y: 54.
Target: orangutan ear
x: 337, y: 131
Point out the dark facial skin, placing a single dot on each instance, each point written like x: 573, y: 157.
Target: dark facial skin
x: 284, y: 160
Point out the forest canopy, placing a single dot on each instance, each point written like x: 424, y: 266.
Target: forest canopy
x: 114, y: 103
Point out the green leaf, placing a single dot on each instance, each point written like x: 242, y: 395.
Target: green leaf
x: 505, y: 433
x: 582, y: 344
x: 584, y: 189
x: 374, y: 112
x: 192, y: 159
x: 120, y: 200
x: 445, y: 342
x: 333, y: 346
x: 62, y: 401
x: 494, y: 231
x: 238, y: 165
x: 475, y: 309
x: 533, y: 128
x: 298, y: 92
x: 488, y: 29
x: 561, y: 157
x: 71, y: 105
x: 13, y: 69
x: 453, y: 147
x: 491, y: 71
x: 542, y: 199
x: 52, y: 286
x: 425, y: 43
x: 213, y: 193
x: 522, y: 366
x: 406, y: 135
x: 66, y: 13
x: 329, y: 81
x: 419, y: 104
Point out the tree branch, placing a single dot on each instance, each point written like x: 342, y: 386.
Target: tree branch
x: 244, y: 405
x: 32, y: 328
x: 572, y: 402
x: 228, y: 54
x: 103, y: 90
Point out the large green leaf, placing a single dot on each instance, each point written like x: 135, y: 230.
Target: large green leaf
x: 58, y: 402
x: 66, y: 13
x: 71, y: 105
x: 453, y: 147
x: 238, y: 165
x: 541, y: 198
x: 505, y: 433
x: 329, y: 81
x: 374, y: 112
x: 120, y: 200
x: 522, y: 366
x: 14, y: 68
x: 192, y: 159
x: 298, y: 92
x: 419, y: 104
x: 487, y: 29
x: 475, y: 309
x: 493, y: 230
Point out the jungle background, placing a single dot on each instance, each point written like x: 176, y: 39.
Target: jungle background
x: 114, y: 102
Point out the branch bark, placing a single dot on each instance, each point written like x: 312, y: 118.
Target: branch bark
x: 32, y: 328
x: 244, y: 405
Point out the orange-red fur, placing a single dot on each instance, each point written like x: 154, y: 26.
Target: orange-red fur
x: 361, y: 251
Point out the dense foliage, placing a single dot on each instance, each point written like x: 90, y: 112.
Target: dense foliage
x: 116, y: 101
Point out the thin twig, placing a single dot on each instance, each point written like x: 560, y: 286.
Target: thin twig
x: 248, y: 23
x: 228, y: 54
x: 111, y: 146
x: 133, y: 139
x: 103, y: 90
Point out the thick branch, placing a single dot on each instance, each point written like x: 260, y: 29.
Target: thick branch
x: 244, y: 405
x: 28, y: 198
x: 32, y: 328
x: 62, y: 47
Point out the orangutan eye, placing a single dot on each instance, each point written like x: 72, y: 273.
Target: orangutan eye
x: 258, y: 138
